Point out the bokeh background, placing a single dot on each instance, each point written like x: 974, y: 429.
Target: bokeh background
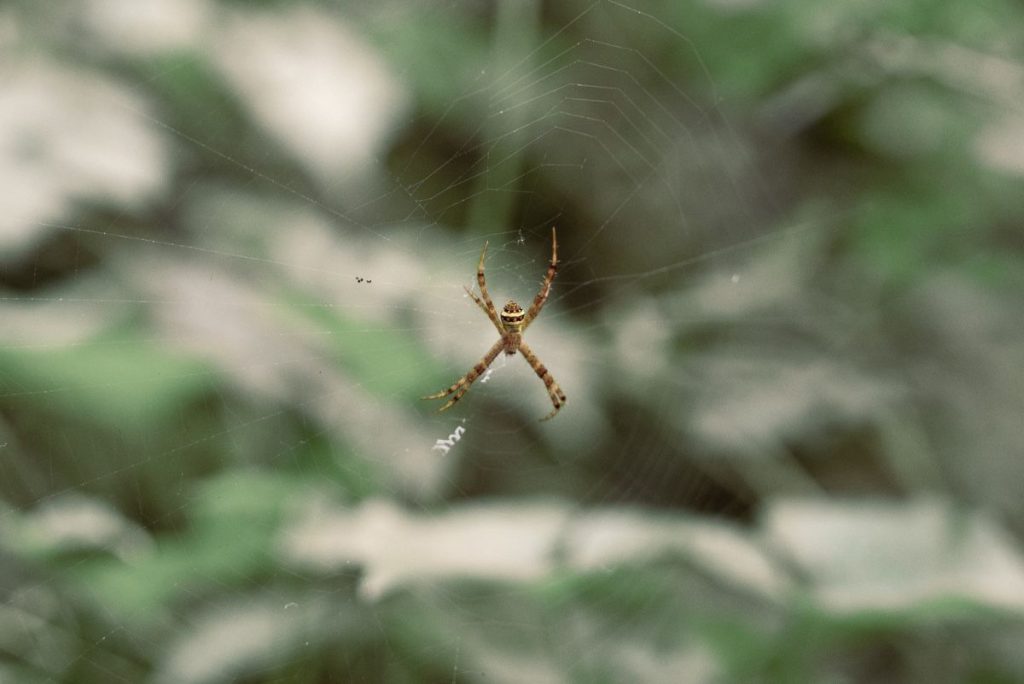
x: 233, y: 241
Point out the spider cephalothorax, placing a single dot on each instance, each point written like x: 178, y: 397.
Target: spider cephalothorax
x: 511, y: 323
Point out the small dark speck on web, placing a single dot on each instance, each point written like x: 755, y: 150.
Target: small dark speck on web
x: 363, y: 280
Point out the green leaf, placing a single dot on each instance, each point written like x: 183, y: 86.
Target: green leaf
x: 121, y: 378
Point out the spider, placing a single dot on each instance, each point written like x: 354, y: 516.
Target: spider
x: 511, y: 323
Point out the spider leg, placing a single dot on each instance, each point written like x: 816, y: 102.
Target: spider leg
x: 545, y: 286
x: 461, y: 385
x: 490, y: 315
x: 554, y: 391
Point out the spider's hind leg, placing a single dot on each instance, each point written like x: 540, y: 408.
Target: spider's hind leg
x: 555, y: 392
x: 557, y: 399
x: 461, y: 386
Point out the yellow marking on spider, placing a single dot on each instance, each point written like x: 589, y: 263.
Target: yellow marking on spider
x: 511, y: 322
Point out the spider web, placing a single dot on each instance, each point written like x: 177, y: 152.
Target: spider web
x: 247, y: 265
x: 288, y: 309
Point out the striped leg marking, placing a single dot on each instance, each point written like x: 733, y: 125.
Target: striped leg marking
x: 482, y: 284
x: 545, y: 286
x: 491, y: 314
x: 555, y: 392
x: 461, y: 385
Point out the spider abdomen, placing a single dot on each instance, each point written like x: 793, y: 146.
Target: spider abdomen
x: 512, y: 316
x: 510, y: 322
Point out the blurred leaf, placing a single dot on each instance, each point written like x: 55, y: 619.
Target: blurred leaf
x: 121, y: 378
x: 384, y: 360
x: 972, y: 23
x: 606, y: 539
x: 904, y: 233
x: 438, y: 50
x: 715, y: 34
x: 70, y: 135
x: 228, y: 642
x: 73, y: 523
x: 465, y: 543
x: 862, y: 557
x: 336, y: 118
x: 907, y: 119
x: 230, y: 541
x: 395, y: 548
x: 199, y: 105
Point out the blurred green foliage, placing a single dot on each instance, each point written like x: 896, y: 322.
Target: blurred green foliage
x: 223, y: 495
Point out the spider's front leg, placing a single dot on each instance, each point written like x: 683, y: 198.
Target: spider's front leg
x: 490, y: 313
x: 545, y: 285
x: 487, y: 305
x: 461, y: 385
